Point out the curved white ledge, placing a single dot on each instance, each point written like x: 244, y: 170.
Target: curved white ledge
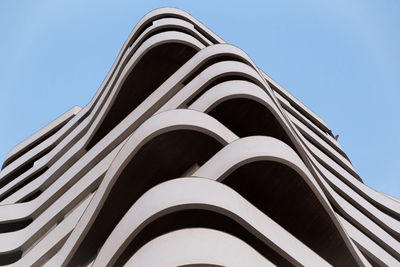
x: 363, y: 222
x: 30, y: 155
x: 24, y: 238
x: 230, y: 90
x: 292, y: 112
x: 23, y: 147
x: 45, y: 248
x: 323, y: 145
x: 241, y: 89
x: 254, y: 148
x: 368, y: 246
x: 385, y: 221
x: 197, y: 246
x: 211, y: 73
x: 200, y: 193
x: 317, y: 120
x: 167, y: 12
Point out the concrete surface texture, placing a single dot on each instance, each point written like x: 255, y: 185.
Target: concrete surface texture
x: 188, y: 155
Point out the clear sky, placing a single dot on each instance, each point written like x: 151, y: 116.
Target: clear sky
x: 340, y: 58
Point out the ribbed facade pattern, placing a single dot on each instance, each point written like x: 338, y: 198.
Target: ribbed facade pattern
x: 189, y: 154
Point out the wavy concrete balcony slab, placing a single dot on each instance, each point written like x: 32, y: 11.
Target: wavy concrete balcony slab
x: 260, y: 171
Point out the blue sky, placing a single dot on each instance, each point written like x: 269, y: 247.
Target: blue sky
x: 340, y: 58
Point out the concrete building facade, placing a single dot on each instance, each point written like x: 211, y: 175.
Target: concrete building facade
x: 187, y: 155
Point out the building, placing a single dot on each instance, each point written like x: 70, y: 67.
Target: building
x: 188, y: 155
